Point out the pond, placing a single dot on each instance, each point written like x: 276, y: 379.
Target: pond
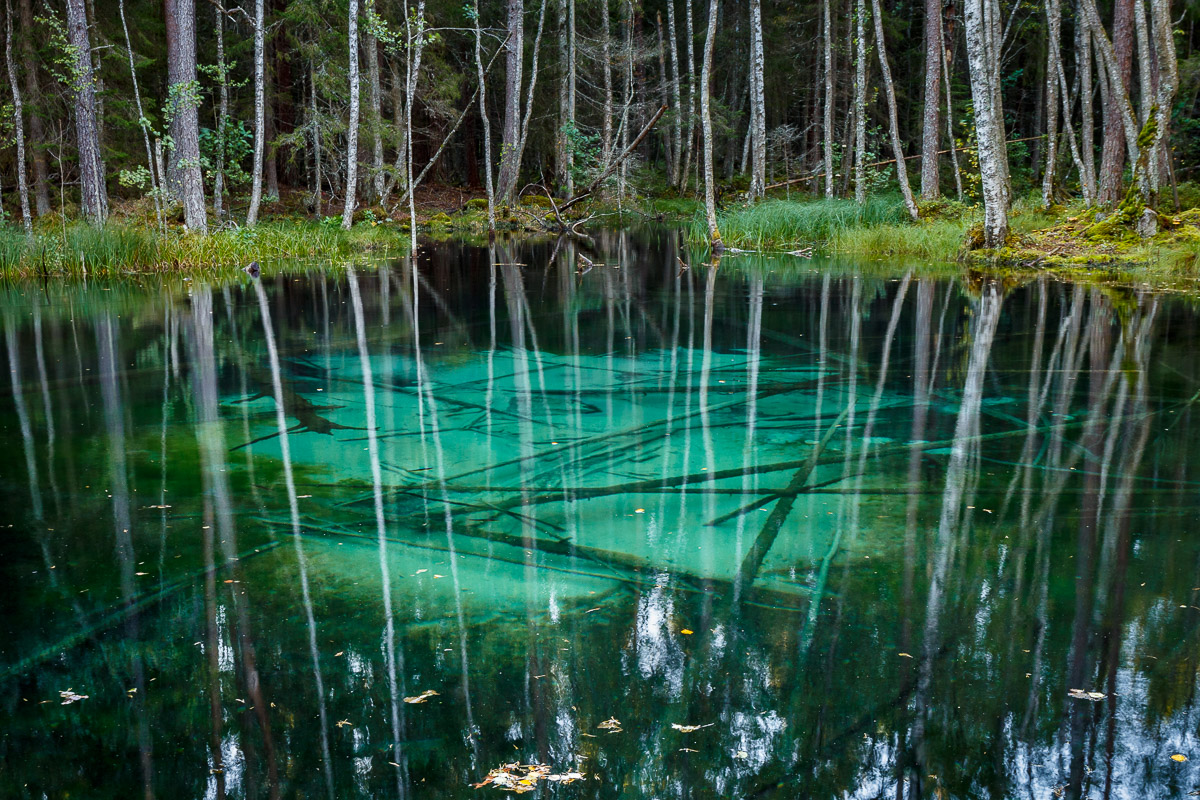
x: 666, y: 528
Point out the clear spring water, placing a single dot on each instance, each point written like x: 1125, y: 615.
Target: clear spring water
x: 867, y: 530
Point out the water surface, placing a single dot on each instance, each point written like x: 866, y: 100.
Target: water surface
x: 857, y: 533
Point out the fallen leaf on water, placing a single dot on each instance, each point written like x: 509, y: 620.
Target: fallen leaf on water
x: 338, y: 653
x: 566, y: 777
x: 421, y: 698
x: 69, y: 696
x: 688, y: 750
x: 341, y: 723
x: 1083, y: 694
x: 418, y: 572
x: 141, y: 573
x: 610, y: 724
x: 690, y: 728
x: 1180, y: 757
x: 687, y: 632
x: 520, y: 778
x: 904, y: 655
x: 741, y: 754
x: 393, y: 763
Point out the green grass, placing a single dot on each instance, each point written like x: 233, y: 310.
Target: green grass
x: 118, y: 249
x: 788, y: 224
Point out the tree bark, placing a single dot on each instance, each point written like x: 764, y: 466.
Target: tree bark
x: 184, y: 106
x: 758, y: 104
x: 1053, y: 38
x: 827, y: 121
x: 93, y: 193
x: 664, y: 94
x: 256, y: 171
x: 561, y: 145
x: 931, y: 120
x: 143, y: 123
x: 1087, y: 135
x: 983, y: 60
x: 33, y: 95
x: 18, y: 121
x: 889, y: 90
x: 378, y: 179
x: 483, y: 118
x: 315, y: 132
x: 511, y: 133
x: 677, y: 123
x: 690, y: 136
x: 606, y: 124
x: 352, y: 130
x: 222, y: 114
x: 860, y: 102
x: 710, y: 199
x: 533, y: 76
x: 1112, y: 158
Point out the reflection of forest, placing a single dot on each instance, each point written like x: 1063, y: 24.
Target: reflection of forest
x: 872, y: 530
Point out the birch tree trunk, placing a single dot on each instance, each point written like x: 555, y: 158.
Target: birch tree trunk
x: 519, y: 156
x: 412, y: 62
x: 758, y: 104
x: 1146, y: 90
x: 260, y: 122
x: 860, y: 102
x: 1054, y: 37
x: 664, y: 94
x: 143, y: 123
x: 33, y: 94
x: 561, y: 148
x: 487, y: 127
x: 958, y: 185
x: 890, y: 93
x: 185, y: 103
x: 677, y: 123
x: 511, y: 133
x: 931, y: 122
x: 982, y: 59
x: 710, y: 198
x: 315, y: 132
x: 690, y: 136
x: 222, y: 113
x: 1168, y: 83
x: 352, y: 130
x: 1087, y: 135
x: 93, y: 193
x: 606, y: 125
x: 1112, y: 157
x: 827, y: 121
x: 18, y: 121
x: 378, y: 179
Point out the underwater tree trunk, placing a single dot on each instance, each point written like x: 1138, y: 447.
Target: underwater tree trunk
x: 889, y: 90
x: 352, y: 130
x: 982, y: 58
x: 758, y: 105
x: 931, y: 120
x: 93, y: 193
x: 256, y: 172
x: 33, y: 94
x: 18, y: 121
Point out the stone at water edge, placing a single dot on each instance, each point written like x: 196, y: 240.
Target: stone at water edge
x: 1148, y: 224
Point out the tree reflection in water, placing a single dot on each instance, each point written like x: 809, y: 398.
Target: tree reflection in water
x: 844, y: 534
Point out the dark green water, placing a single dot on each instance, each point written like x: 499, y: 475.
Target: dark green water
x: 868, y: 530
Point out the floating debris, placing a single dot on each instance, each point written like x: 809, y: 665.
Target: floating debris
x: 342, y: 723
x: 611, y: 724
x: 1180, y: 757
x: 421, y: 698
x: 521, y: 778
x: 69, y: 696
x: 690, y: 728
x: 1083, y: 694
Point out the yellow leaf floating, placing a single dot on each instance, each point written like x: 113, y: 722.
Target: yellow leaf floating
x: 421, y: 698
x: 521, y: 778
x: 1180, y: 757
x: 686, y: 632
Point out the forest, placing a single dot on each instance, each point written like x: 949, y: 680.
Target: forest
x: 213, y: 116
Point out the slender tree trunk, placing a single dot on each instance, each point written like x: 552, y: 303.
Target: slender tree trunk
x: 710, y: 189
x: 931, y: 123
x: 664, y: 94
x: 571, y: 99
x: 415, y: 30
x: 606, y: 125
x: 511, y: 133
x: 1054, y: 37
x: 982, y: 58
x: 677, y: 123
x: 315, y: 132
x: 222, y: 115
x: 529, y: 96
x: 93, y: 193
x: 487, y: 127
x: 184, y: 104
x: 827, y: 121
x: 958, y: 185
x: 18, y: 120
x: 758, y: 104
x: 260, y: 115
x: 143, y: 123
x: 690, y: 136
x: 860, y: 101
x: 352, y: 130
x: 1112, y: 159
x: 1089, y: 189
x: 561, y: 145
x: 1120, y: 93
x: 378, y: 179
x: 889, y: 90
x: 33, y: 95
x: 1146, y: 90
x: 1168, y: 83
x: 1087, y: 125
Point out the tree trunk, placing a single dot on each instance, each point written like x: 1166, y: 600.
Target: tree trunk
x: 758, y: 104
x: 931, y: 122
x: 827, y: 121
x: 256, y: 171
x: 352, y: 130
x: 519, y: 156
x: 860, y: 102
x: 1087, y: 126
x: 378, y: 179
x: 690, y: 136
x: 889, y: 90
x: 1112, y: 159
x: 33, y: 94
x: 184, y: 105
x: 412, y: 63
x: 487, y: 127
x: 561, y: 144
x: 222, y: 116
x: 1146, y: 92
x: 509, y: 158
x: 958, y: 186
x: 143, y: 123
x: 710, y: 199
x: 93, y: 193
x: 982, y: 58
x: 1054, y: 37
x: 18, y: 120
x: 606, y: 125
x: 315, y: 132
x: 1168, y: 82
x: 677, y: 123
x: 664, y: 95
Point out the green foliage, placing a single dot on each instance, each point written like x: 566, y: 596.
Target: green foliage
x: 236, y: 146
x: 787, y: 224
x: 585, y: 151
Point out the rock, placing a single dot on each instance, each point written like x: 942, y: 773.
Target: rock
x: 1100, y: 216
x: 1147, y: 225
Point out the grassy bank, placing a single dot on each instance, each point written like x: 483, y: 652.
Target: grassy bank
x: 122, y: 248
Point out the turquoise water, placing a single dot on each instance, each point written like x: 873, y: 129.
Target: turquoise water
x: 762, y: 529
